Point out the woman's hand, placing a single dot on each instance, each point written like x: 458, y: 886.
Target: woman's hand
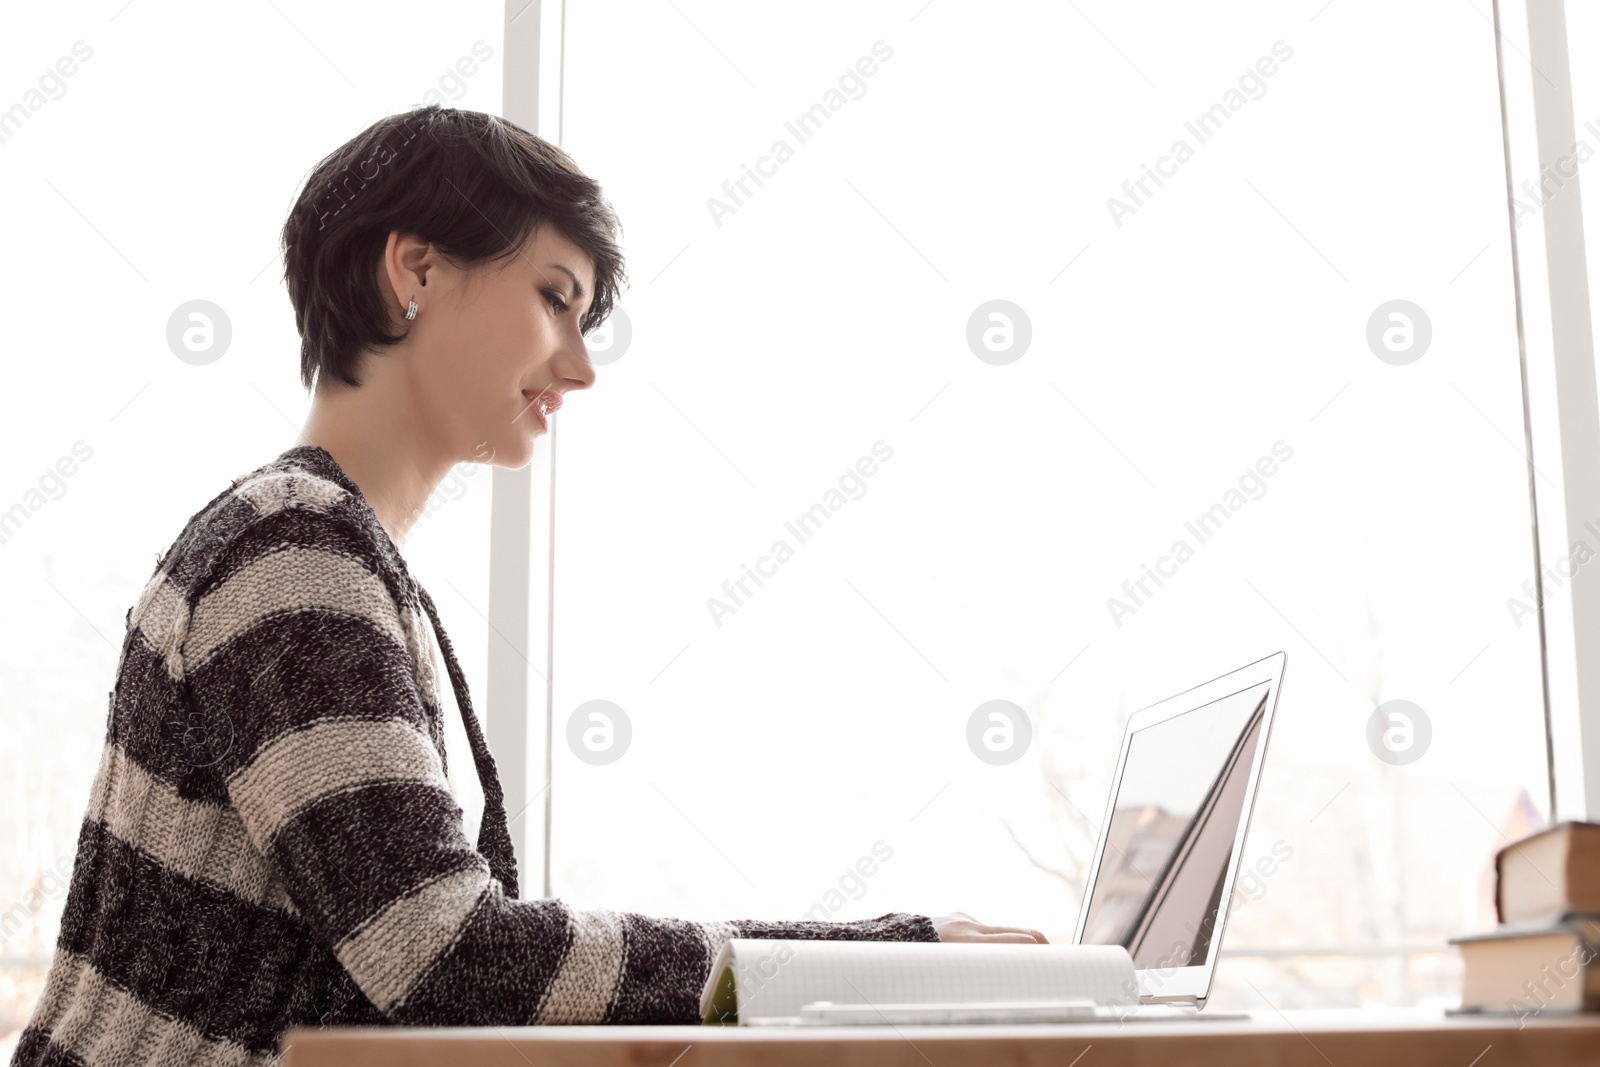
x: 959, y: 926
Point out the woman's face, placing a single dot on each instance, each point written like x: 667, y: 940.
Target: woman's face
x: 492, y: 346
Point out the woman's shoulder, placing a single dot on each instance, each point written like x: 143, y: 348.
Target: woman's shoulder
x: 299, y: 501
x: 301, y: 497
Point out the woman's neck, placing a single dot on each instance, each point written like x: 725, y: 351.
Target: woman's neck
x: 379, y: 440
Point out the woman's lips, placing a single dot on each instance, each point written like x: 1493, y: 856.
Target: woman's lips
x: 532, y: 400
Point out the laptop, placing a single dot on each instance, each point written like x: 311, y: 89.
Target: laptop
x: 1164, y: 863
x: 1167, y: 857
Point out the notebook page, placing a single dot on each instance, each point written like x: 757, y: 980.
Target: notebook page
x: 776, y: 977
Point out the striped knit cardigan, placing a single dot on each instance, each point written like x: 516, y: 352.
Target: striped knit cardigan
x: 271, y: 840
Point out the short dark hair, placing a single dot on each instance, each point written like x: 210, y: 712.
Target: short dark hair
x: 472, y: 183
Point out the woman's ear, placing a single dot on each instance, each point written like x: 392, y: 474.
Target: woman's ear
x: 404, y: 270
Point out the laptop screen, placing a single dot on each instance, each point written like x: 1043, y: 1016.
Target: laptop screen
x: 1171, y: 833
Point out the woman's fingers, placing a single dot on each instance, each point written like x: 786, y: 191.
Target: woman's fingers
x: 959, y: 926
x: 1013, y: 933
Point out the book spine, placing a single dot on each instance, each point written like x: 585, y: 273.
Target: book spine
x: 1499, y: 880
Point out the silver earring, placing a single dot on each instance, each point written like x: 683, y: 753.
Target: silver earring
x: 411, y: 312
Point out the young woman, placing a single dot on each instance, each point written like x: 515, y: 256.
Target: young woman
x: 271, y: 840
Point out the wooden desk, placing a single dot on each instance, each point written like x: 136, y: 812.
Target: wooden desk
x: 1371, y: 1038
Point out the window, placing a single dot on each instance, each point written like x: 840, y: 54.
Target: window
x: 1197, y: 225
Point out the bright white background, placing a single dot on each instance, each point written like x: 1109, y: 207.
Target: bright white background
x: 1229, y: 313
x: 827, y: 313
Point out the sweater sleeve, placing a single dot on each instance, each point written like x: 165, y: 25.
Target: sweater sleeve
x: 335, y: 771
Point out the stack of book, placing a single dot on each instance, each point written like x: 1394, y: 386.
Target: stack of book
x: 1544, y: 957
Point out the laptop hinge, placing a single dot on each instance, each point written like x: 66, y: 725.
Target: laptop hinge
x: 1189, y: 1001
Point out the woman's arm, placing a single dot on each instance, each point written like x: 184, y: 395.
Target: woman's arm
x: 338, y: 781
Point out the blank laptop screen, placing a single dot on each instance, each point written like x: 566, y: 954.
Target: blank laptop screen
x: 1171, y: 832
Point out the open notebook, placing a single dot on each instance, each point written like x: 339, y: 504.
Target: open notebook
x: 757, y: 981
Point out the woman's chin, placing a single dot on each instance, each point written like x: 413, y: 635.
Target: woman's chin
x: 518, y: 453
